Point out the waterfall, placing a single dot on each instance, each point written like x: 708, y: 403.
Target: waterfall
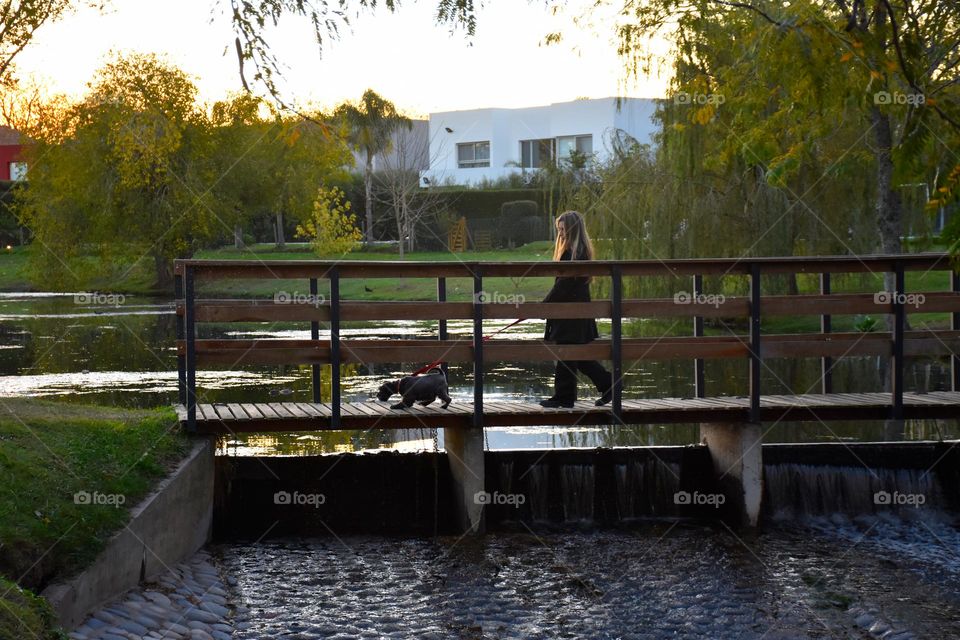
x: 576, y: 482
x: 797, y: 490
x: 538, y: 492
x: 646, y: 488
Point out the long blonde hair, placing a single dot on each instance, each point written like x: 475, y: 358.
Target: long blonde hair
x: 573, y: 237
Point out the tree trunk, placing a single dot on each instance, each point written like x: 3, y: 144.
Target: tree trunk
x: 368, y: 195
x: 163, y: 270
x: 238, y: 236
x: 278, y: 231
x: 398, y: 216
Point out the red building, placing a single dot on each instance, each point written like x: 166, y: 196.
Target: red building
x: 11, y: 166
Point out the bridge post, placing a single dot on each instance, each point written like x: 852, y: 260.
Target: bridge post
x: 955, y: 326
x: 190, y: 358
x: 699, y: 380
x: 333, y: 274
x: 315, y: 336
x: 464, y: 447
x: 181, y: 334
x: 737, y: 457
x: 616, y: 342
x: 826, y: 326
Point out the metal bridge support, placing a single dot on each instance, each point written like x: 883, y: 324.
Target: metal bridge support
x: 738, y: 466
x: 465, y: 453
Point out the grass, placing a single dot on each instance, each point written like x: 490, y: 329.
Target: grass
x: 385, y: 288
x: 51, y: 452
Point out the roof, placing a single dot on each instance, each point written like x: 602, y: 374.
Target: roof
x: 8, y: 136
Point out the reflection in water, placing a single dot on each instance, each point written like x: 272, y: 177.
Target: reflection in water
x: 123, y: 354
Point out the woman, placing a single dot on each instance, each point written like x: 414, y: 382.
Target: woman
x: 573, y: 243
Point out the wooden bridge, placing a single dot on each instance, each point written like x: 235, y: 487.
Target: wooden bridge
x: 693, y: 305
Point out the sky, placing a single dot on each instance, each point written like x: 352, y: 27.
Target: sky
x: 405, y: 56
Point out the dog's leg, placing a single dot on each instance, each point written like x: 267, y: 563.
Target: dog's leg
x: 424, y: 403
x: 445, y: 397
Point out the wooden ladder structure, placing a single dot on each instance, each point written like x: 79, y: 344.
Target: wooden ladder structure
x: 457, y: 236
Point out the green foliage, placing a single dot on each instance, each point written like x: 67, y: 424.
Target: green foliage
x: 123, y: 175
x: 865, y: 324
x: 136, y: 170
x: 369, y: 126
x: 332, y: 227
x: 23, y: 614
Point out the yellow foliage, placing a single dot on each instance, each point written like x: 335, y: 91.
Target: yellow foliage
x: 704, y: 115
x: 332, y: 226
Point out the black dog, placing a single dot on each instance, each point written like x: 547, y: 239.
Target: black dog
x: 423, y: 389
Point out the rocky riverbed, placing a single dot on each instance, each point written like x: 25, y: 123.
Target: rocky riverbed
x: 869, y: 579
x: 191, y: 601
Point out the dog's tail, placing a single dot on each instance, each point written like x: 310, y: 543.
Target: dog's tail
x: 434, y: 371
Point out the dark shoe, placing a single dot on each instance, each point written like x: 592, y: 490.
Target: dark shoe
x: 551, y: 403
x: 605, y: 398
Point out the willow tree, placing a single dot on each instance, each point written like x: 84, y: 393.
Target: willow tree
x: 881, y: 76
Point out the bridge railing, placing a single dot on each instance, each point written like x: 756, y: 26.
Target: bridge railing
x: 697, y: 305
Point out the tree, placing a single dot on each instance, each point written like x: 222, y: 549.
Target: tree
x: 370, y: 126
x: 125, y: 175
x: 21, y: 20
x: 830, y: 65
x: 398, y: 185
x: 331, y: 227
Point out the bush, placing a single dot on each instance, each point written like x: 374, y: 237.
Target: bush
x: 519, y: 223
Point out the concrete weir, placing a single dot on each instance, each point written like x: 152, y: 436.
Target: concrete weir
x: 467, y: 470
x: 165, y: 528
x: 737, y: 454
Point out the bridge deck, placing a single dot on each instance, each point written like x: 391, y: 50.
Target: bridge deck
x: 308, y: 416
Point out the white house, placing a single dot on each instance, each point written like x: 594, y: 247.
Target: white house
x: 469, y: 146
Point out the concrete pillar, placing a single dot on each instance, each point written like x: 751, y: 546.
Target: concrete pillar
x: 464, y: 448
x: 738, y: 466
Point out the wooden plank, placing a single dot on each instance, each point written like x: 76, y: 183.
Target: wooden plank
x: 267, y: 411
x: 310, y: 410
x: 281, y: 410
x: 238, y: 412
x: 223, y: 412
x: 295, y: 410
x: 253, y: 411
x: 304, y: 269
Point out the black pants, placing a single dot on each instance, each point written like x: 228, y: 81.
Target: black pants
x: 565, y: 378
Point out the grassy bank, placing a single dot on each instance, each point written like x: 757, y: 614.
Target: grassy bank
x: 70, y: 475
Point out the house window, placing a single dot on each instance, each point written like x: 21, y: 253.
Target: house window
x: 536, y: 154
x: 18, y: 170
x: 566, y: 145
x: 473, y: 154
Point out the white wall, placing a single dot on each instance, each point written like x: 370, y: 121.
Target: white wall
x: 505, y: 128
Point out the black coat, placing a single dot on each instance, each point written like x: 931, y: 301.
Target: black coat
x: 574, y: 330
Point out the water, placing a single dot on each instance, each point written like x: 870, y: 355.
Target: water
x: 73, y: 349
x: 815, y: 579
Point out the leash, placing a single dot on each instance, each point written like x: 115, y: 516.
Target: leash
x: 433, y: 364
